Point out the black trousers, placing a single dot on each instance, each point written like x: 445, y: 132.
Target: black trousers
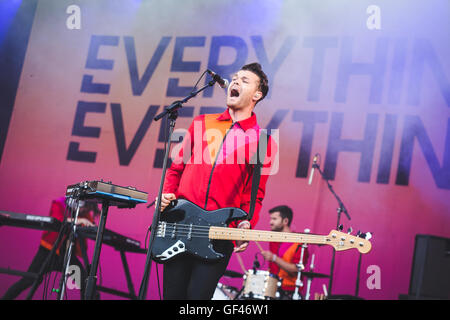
x: 190, y: 278
x: 38, y: 260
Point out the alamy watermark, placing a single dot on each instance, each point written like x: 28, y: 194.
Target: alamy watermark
x: 73, y: 277
x: 374, y: 280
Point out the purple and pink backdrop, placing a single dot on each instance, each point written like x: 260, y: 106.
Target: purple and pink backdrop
x: 367, y: 89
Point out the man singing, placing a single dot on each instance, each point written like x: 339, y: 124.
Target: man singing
x: 218, y: 174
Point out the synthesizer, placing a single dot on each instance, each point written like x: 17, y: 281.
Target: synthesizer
x: 122, y: 197
x: 31, y: 221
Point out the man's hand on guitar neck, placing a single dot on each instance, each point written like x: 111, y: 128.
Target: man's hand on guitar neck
x: 241, y: 246
x: 165, y: 200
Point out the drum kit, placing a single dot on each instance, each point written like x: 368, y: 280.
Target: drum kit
x: 263, y: 285
x: 259, y: 285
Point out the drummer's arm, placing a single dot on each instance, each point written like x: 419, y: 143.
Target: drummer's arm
x: 290, y: 268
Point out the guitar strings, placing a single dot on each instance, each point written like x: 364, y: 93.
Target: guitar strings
x: 181, y: 233
x: 175, y: 229
x: 186, y: 230
x: 180, y: 226
x: 206, y: 228
x: 185, y: 225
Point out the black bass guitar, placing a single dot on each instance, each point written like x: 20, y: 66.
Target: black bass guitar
x: 185, y: 228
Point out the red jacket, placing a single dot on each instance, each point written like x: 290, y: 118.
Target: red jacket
x: 212, y: 167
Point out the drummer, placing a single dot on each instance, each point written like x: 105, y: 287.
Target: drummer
x: 284, y: 257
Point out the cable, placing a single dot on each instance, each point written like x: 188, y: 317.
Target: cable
x: 146, y: 236
x: 157, y: 279
x: 54, y: 280
x: 43, y: 292
x: 100, y: 273
x: 195, y: 86
x: 146, y: 243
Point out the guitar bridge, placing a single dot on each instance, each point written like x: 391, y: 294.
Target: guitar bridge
x: 174, y: 231
x: 161, y: 231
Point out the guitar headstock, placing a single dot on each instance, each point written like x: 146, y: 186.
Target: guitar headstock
x: 345, y: 241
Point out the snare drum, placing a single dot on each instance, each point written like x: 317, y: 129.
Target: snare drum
x: 261, y: 285
x: 224, y: 292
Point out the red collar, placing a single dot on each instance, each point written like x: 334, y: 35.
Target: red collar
x: 245, y: 124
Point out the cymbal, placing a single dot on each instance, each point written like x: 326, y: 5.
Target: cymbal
x: 232, y: 274
x: 314, y: 274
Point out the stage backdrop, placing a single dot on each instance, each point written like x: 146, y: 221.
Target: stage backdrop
x: 366, y: 84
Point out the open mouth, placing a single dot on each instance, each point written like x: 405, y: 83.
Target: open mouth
x: 234, y: 93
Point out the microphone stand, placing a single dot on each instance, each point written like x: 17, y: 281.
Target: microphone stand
x: 298, y: 282
x: 308, y: 283
x: 339, y: 210
x: 172, y: 113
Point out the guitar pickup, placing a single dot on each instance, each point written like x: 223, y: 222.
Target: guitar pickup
x: 189, y: 236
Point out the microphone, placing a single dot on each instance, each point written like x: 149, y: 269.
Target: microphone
x: 223, y: 83
x: 312, y: 170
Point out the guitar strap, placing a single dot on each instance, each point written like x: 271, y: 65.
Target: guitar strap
x: 257, y: 170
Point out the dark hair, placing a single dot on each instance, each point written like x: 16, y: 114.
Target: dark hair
x: 285, y: 212
x: 263, y: 81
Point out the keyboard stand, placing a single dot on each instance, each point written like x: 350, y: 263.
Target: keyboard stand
x: 131, y: 294
x: 92, y: 278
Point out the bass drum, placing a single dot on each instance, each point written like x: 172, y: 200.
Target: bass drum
x: 224, y: 292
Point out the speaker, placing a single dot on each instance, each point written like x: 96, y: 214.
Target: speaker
x: 430, y: 273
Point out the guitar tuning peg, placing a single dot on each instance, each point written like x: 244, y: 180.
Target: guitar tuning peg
x: 340, y: 227
x: 349, y: 230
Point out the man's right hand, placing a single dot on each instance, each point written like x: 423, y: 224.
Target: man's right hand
x: 165, y: 200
